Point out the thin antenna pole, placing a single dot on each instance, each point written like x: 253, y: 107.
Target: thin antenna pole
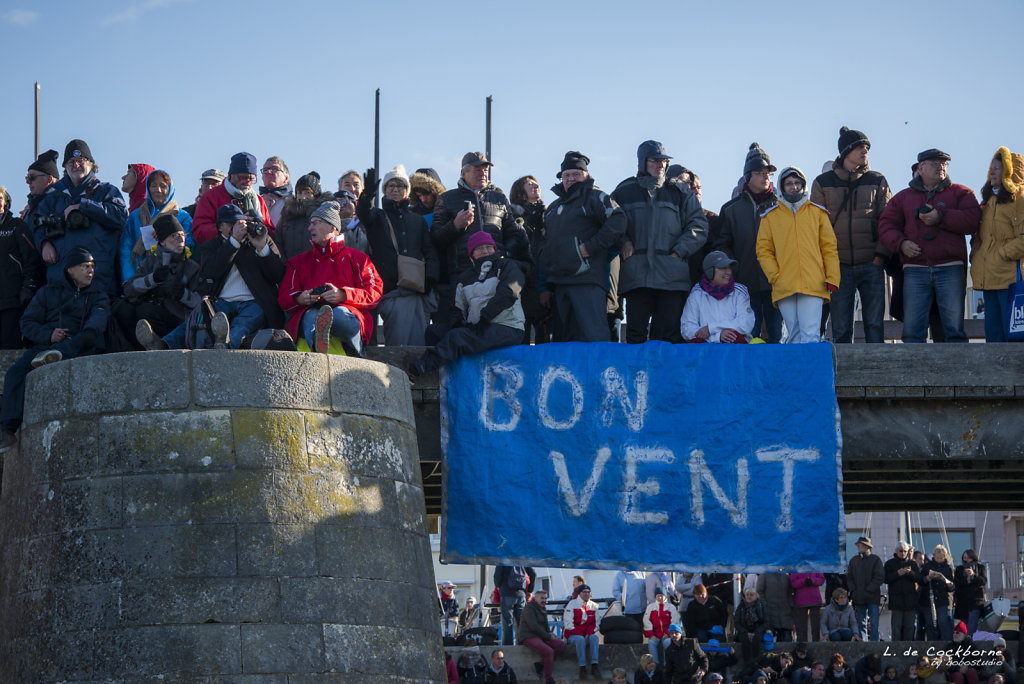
x: 488, y: 143
x: 37, y: 120
x: 376, y: 145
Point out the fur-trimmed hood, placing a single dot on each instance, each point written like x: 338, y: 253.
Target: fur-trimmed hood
x: 1013, y: 170
x: 423, y: 182
x: 296, y: 208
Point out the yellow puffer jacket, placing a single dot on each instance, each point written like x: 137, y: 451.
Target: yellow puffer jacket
x: 797, y: 252
x: 999, y: 242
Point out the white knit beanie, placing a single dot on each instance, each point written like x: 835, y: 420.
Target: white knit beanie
x: 397, y: 173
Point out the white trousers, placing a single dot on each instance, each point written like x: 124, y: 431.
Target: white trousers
x: 802, y: 315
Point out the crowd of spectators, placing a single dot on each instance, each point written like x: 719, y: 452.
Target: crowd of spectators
x: 292, y: 266
x: 693, y: 638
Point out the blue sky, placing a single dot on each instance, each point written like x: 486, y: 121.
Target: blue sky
x: 183, y: 84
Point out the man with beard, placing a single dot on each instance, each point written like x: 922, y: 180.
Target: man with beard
x: 236, y: 189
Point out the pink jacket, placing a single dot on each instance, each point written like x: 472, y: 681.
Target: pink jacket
x: 807, y: 588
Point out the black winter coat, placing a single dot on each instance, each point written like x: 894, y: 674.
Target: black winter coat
x: 903, y: 590
x: 682, y: 661
x: 262, y: 275
x: 411, y: 234
x: 178, y: 293
x: 738, y: 223
x: 752, y: 617
x: 22, y: 270
x: 581, y: 214
x: 708, y: 615
x: 62, y: 305
x: 968, y: 594
x: 937, y: 587
x: 493, y: 213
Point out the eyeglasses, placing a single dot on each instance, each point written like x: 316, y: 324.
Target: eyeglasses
x: 762, y: 174
x: 76, y: 161
x: 936, y: 164
x: 273, y: 169
x: 32, y: 177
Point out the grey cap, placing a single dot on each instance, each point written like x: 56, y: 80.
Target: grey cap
x: 475, y: 159
x: 933, y: 153
x: 716, y: 260
x: 329, y: 212
x: 215, y: 174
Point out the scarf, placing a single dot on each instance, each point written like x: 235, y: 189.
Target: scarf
x: 282, y: 192
x: 719, y: 292
x: 251, y: 199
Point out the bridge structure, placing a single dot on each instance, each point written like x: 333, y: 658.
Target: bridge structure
x: 925, y: 427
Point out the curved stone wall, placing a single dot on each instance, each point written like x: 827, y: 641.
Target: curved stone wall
x: 217, y: 516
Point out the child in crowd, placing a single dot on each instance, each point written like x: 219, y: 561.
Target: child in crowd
x: 718, y: 308
x: 619, y: 676
x: 890, y: 676
x: 796, y: 247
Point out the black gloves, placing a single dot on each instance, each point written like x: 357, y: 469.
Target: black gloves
x: 370, y: 181
x: 161, y: 273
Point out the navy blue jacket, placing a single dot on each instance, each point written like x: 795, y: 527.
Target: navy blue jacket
x: 62, y: 305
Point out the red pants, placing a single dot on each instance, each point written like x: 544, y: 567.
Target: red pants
x: 548, y: 651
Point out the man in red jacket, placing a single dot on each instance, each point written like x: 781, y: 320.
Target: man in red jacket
x: 927, y: 223
x: 580, y: 622
x: 238, y: 189
x: 331, y: 289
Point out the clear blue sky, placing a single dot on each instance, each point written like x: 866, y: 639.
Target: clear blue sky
x: 183, y: 84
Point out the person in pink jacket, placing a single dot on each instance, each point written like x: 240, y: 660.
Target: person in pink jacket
x: 331, y: 289
x: 807, y: 602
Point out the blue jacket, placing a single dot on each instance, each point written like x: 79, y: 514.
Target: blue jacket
x: 63, y: 305
x: 133, y: 231
x: 634, y: 584
x: 106, y: 212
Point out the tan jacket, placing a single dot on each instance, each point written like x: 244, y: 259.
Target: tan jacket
x: 854, y: 202
x: 999, y: 243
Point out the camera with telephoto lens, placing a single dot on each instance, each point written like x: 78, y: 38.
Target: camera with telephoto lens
x: 77, y: 220
x: 53, y: 226
x: 255, y: 227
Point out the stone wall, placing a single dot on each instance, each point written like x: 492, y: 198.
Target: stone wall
x: 217, y: 516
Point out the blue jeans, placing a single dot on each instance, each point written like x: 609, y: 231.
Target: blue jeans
x: 581, y: 643
x: 972, y: 621
x: 652, y: 648
x: 943, y: 629
x: 345, y: 325
x: 840, y: 635
x: 511, y: 611
x: 864, y: 613
x: 12, y: 405
x: 948, y: 286
x: 869, y: 280
x: 245, y: 318
x: 765, y: 312
x: 997, y: 315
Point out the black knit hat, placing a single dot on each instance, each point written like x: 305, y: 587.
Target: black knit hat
x: 77, y: 148
x: 756, y: 160
x: 849, y: 139
x: 78, y: 255
x: 166, y: 225
x: 311, y: 181
x: 574, y: 160
x: 46, y: 163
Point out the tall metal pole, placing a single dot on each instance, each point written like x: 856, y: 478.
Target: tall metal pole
x: 37, y: 120
x: 376, y: 145
x: 488, y: 150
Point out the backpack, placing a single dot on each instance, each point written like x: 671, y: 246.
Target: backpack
x: 516, y: 579
x: 198, y: 334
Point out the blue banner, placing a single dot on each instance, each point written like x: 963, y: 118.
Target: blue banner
x: 674, y: 457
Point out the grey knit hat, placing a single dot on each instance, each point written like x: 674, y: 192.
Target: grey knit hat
x: 329, y: 212
x: 756, y: 160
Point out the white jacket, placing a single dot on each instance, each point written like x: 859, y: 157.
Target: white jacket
x: 718, y: 314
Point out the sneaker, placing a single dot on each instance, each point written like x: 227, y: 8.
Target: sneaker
x: 7, y: 440
x: 45, y: 357
x: 322, y: 329
x: 220, y: 329
x: 147, y: 338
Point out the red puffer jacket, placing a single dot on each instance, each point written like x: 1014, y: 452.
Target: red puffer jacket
x: 941, y: 244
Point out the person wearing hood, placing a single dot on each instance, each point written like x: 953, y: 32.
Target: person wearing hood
x: 235, y: 189
x: 487, y: 312
x: 331, y: 290
x: 82, y: 211
x: 664, y: 226
x: 473, y: 206
x: 927, y: 223
x: 163, y: 291
x: 291, y: 233
x: 581, y: 228
x: 998, y: 246
x: 64, y: 320
x: 718, y: 308
x: 854, y: 197
x: 277, y: 186
x: 796, y: 247
x: 21, y: 275
x: 739, y: 222
x: 398, y: 234
x: 134, y: 183
x: 425, y: 187
x: 139, y: 235
x: 41, y: 177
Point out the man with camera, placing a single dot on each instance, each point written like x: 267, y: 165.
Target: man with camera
x: 41, y: 177
x: 82, y: 212
x: 237, y: 188
x: 927, y: 224
x: 331, y: 290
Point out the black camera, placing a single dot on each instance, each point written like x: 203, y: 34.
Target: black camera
x: 77, y: 220
x: 923, y: 209
x: 53, y: 226
x: 255, y: 228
